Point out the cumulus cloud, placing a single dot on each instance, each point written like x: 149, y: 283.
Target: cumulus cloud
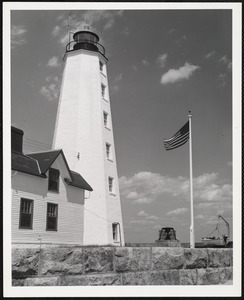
x: 51, y: 90
x: 161, y: 60
x: 18, y: 35
x: 175, y: 75
x: 53, y: 62
x: 210, y: 54
x: 177, y: 211
x: 147, y: 187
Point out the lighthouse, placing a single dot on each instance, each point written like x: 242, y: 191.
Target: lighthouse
x: 85, y: 133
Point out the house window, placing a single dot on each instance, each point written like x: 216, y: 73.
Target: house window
x: 115, y: 228
x: 103, y: 90
x: 26, y: 213
x: 52, y: 216
x: 108, y: 150
x: 53, y: 180
x: 111, y: 184
x: 101, y: 66
x: 105, y: 119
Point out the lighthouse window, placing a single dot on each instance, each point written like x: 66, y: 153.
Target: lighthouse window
x: 101, y: 66
x: 110, y: 184
x: 105, y: 119
x: 26, y: 214
x: 52, y: 216
x: 108, y: 152
x: 115, y: 228
x: 53, y: 180
x: 103, y: 90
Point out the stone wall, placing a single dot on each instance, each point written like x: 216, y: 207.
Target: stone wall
x: 72, y: 266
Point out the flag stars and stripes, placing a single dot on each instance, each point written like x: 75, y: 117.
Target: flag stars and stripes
x: 179, y: 139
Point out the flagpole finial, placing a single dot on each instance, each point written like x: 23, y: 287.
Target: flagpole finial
x: 189, y: 113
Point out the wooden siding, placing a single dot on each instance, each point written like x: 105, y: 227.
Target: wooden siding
x: 70, y: 202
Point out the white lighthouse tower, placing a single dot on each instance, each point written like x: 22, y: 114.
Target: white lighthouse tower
x: 84, y: 131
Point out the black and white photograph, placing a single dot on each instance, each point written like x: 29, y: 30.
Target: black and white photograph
x: 122, y: 149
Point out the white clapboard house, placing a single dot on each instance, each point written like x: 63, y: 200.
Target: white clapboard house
x: 47, y: 197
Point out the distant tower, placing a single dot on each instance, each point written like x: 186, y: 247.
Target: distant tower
x: 84, y: 131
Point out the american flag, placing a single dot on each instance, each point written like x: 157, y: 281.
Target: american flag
x: 179, y: 139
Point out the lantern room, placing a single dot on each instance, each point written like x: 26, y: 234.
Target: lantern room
x: 85, y: 40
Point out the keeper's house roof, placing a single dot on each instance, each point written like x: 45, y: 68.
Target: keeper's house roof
x: 38, y: 164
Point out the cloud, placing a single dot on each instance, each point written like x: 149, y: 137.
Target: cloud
x: 142, y: 213
x: 226, y: 61
x: 222, y: 79
x: 175, y: 75
x: 51, y: 90
x: 199, y: 217
x: 126, y: 31
x: 56, y: 30
x: 134, y: 67
x: 100, y: 18
x: 18, y: 35
x: 147, y: 187
x: 161, y: 60
x: 210, y: 54
x: 141, y: 222
x: 145, y: 62
x: 172, y: 30
x: 114, y: 84
x: 53, y: 62
x: 177, y: 211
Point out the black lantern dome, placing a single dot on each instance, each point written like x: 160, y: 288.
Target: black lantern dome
x: 86, y: 39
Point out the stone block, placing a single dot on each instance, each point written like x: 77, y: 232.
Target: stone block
x: 229, y: 273
x: 231, y: 257
x: 211, y: 276
x: 42, y: 281
x: 94, y: 279
x: 62, y: 261
x: 98, y: 259
x: 132, y: 259
x: 195, y: 258
x: 18, y: 282
x: 24, y: 262
x: 167, y: 277
x: 188, y: 277
x: 218, y: 258
x: 167, y: 258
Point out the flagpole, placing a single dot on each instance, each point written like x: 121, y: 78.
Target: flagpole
x: 192, y: 235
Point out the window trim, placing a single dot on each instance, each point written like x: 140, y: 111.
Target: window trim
x: 109, y: 153
x: 116, y: 226
x: 32, y: 213
x: 103, y: 91
x: 58, y: 182
x: 105, y: 114
x: 101, y: 65
x: 112, y: 192
x: 56, y: 227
